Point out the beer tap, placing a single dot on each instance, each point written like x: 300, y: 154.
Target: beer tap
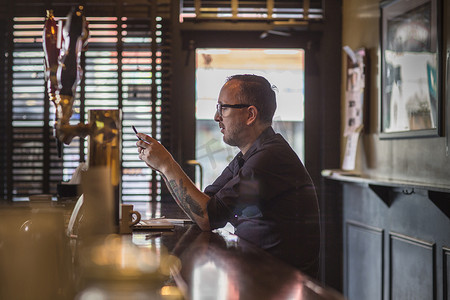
x: 64, y: 72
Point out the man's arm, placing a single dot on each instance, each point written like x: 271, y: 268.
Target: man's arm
x: 190, y: 199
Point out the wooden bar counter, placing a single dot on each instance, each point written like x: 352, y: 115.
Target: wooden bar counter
x: 39, y: 261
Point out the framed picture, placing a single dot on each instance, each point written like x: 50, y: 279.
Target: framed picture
x: 411, y: 62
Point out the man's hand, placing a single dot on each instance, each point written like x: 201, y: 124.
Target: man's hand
x: 191, y: 200
x: 153, y: 153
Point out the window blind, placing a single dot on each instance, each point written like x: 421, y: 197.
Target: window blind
x: 124, y: 67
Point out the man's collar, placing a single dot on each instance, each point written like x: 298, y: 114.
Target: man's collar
x: 266, y: 134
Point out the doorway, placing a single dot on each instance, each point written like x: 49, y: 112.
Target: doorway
x: 284, y: 68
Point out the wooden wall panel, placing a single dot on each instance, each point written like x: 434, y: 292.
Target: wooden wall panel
x: 412, y: 268
x: 446, y: 274
x: 415, y: 252
x: 364, y: 262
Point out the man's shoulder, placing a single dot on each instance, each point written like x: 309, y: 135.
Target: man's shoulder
x: 277, y: 143
x: 272, y: 149
x: 275, y: 152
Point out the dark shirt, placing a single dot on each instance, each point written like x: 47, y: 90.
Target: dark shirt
x: 269, y: 197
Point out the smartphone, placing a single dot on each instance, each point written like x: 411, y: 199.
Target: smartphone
x: 134, y: 128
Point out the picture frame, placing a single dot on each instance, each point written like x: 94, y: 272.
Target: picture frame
x: 411, y: 69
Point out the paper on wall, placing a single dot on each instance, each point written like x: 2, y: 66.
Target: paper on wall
x: 354, y: 101
x: 350, y: 151
x: 354, y: 95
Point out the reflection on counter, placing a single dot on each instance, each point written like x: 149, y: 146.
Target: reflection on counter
x: 39, y: 260
x: 114, y: 266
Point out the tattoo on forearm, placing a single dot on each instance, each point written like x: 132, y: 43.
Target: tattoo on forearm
x: 184, y: 199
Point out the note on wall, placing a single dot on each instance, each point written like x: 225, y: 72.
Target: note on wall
x: 354, y: 103
x: 350, y: 151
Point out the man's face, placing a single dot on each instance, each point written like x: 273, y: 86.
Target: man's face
x: 232, y: 121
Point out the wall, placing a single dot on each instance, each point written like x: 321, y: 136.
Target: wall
x: 417, y: 159
x: 396, y: 237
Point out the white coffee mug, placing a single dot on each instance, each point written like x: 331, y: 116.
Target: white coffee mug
x: 127, y: 221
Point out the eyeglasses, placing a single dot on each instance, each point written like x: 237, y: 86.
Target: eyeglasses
x: 219, y: 107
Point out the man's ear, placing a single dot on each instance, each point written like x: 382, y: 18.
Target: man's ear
x: 252, y: 115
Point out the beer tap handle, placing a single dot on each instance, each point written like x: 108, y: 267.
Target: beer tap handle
x: 51, y: 56
x: 69, y: 71
x: 51, y: 52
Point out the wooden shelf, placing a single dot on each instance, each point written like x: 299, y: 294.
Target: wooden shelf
x: 365, y: 179
x: 438, y: 193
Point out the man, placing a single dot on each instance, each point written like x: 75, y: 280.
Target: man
x: 265, y: 191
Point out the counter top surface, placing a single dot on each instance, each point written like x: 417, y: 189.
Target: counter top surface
x: 39, y: 261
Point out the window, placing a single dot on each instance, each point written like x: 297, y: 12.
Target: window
x: 126, y: 67
x: 284, y: 68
